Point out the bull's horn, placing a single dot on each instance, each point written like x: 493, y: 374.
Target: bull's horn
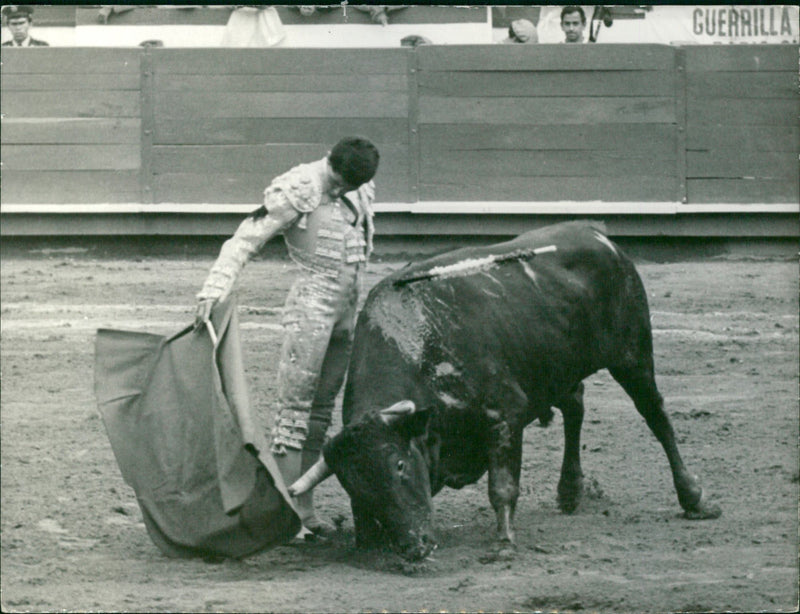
x: 318, y: 472
x: 396, y: 411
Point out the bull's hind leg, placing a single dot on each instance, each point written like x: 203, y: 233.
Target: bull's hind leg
x: 505, y: 461
x: 640, y: 385
x: 570, y: 486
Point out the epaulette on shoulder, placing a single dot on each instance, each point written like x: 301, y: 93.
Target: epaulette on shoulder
x: 300, y: 187
x: 367, y: 192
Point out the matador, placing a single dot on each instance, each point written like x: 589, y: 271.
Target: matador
x: 324, y: 210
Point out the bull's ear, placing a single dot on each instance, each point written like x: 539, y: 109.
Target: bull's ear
x: 407, y: 419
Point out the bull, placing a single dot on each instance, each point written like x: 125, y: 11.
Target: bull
x: 454, y: 356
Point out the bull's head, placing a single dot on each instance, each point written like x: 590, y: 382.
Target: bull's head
x: 380, y: 463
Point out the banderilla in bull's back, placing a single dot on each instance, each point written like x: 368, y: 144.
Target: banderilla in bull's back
x: 468, y: 267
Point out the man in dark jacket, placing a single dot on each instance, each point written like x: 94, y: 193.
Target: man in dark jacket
x: 18, y: 19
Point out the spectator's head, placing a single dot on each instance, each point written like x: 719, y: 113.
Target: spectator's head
x: 522, y: 31
x: 414, y: 40
x: 18, y: 18
x: 355, y: 160
x: 573, y: 21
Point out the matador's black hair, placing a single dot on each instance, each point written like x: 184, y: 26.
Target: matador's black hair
x: 355, y: 159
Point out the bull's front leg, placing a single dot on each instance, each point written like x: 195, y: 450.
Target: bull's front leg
x: 570, y: 485
x: 505, y: 460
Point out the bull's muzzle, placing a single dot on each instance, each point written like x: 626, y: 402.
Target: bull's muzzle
x: 418, y: 546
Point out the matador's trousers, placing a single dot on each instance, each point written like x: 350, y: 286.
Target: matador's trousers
x: 318, y: 320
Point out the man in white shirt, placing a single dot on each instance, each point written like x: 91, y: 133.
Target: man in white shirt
x: 573, y: 23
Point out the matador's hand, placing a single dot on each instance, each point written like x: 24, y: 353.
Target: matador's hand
x: 203, y: 312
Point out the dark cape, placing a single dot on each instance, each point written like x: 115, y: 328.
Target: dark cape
x: 177, y: 414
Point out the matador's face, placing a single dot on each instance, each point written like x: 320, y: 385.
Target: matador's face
x: 337, y: 186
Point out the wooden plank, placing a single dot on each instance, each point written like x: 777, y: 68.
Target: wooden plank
x: 414, y: 157
x: 751, y: 138
x: 735, y: 226
x: 743, y: 191
x: 60, y: 60
x: 69, y: 81
x: 51, y: 16
x: 70, y: 157
x: 270, y: 160
x: 743, y: 163
x: 248, y: 187
x: 147, y: 104
x: 731, y: 84
x: 267, y: 61
x: 545, y: 164
x: 62, y: 130
x: 414, y: 14
x: 222, y: 131
x: 337, y: 15
x: 156, y: 16
x: 652, y: 139
x: 70, y: 186
x: 681, y: 97
x: 251, y: 104
x: 741, y: 58
x: 546, y: 110
x: 282, y: 83
x: 731, y: 111
x: 471, y: 188
x: 72, y: 103
x: 547, y: 83
x: 545, y: 57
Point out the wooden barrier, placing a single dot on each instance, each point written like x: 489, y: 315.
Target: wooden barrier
x: 547, y: 123
x: 742, y: 124
x: 71, y: 125
x: 227, y: 121
x: 462, y: 124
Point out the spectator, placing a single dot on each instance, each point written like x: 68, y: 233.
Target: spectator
x: 521, y: 31
x: 379, y: 14
x: 253, y: 26
x: 330, y: 236
x: 309, y: 10
x: 106, y: 11
x: 414, y: 40
x: 573, y: 22
x: 18, y: 19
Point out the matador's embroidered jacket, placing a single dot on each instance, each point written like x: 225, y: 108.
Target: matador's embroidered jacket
x: 321, y: 234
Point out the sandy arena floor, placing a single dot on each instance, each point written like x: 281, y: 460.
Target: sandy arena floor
x: 726, y: 339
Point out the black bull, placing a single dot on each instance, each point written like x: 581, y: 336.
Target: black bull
x: 454, y: 356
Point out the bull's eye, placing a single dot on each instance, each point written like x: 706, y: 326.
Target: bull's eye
x: 401, y: 466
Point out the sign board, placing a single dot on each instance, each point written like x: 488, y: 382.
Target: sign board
x: 688, y: 24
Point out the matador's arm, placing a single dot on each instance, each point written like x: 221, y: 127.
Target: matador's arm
x: 285, y: 200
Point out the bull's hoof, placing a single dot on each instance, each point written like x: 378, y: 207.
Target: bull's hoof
x: 703, y: 511
x: 502, y: 551
x: 318, y: 528
x: 506, y: 553
x: 569, y: 496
